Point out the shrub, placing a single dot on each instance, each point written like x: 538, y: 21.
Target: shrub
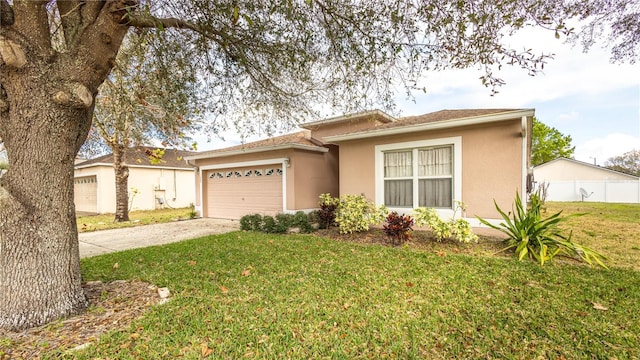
x: 459, y: 229
x: 251, y: 222
x: 355, y: 214
x: 313, y: 217
x: 540, y: 239
x: 398, y: 228
x: 192, y: 211
x: 284, y: 220
x: 271, y: 226
x: 301, y: 221
x: 327, y: 212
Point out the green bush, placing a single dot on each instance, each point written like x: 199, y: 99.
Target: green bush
x: 302, y: 222
x: 540, y: 239
x: 459, y: 229
x: 285, y: 220
x: 355, y: 214
x: 271, y: 226
x: 251, y: 222
x: 313, y: 217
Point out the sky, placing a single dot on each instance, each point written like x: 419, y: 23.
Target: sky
x: 583, y: 95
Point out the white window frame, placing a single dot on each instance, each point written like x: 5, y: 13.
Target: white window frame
x: 455, y: 141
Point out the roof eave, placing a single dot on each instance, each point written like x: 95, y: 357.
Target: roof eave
x: 78, y: 167
x: 474, y: 120
x: 209, y: 155
x: 386, y: 118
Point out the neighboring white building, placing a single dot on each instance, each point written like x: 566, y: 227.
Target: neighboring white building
x: 572, y: 180
x: 170, y: 183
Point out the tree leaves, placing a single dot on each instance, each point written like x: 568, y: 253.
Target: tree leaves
x: 548, y: 144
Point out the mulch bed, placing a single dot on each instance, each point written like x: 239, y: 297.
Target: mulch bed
x: 112, y: 306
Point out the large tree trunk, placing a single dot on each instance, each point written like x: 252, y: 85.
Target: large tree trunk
x: 46, y: 106
x: 39, y: 259
x: 122, y: 183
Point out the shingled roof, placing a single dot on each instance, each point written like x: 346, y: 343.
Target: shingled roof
x: 301, y: 139
x: 137, y: 156
x: 441, y: 119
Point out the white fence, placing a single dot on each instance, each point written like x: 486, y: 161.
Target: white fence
x: 613, y: 191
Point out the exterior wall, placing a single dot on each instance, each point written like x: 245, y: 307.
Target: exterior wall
x: 314, y: 175
x: 492, y: 164
x: 308, y: 175
x: 106, y: 193
x: 176, y: 187
x: 566, y: 178
x: 567, y: 170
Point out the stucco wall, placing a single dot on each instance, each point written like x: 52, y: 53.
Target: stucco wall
x: 491, y: 164
x: 180, y: 193
x: 314, y: 175
x: 567, y: 170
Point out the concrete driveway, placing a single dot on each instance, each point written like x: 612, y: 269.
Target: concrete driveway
x: 106, y: 241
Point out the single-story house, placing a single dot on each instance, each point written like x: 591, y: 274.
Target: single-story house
x: 431, y: 160
x: 167, y: 183
x: 573, y: 180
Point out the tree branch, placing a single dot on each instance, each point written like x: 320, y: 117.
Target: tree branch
x: 32, y: 22
x: 148, y: 21
x: 6, y: 14
x: 71, y: 19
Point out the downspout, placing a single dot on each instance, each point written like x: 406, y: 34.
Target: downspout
x: 196, y: 168
x: 525, y: 163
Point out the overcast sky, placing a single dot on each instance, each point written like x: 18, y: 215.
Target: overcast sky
x: 580, y: 94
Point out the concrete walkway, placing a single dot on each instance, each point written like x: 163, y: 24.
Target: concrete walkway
x: 107, y: 241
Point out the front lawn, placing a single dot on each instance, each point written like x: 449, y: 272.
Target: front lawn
x: 251, y: 295
x: 139, y: 217
x: 612, y: 229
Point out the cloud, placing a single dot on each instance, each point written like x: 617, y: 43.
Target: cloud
x: 603, y: 148
x: 570, y: 116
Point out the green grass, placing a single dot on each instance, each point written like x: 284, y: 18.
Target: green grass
x: 105, y: 221
x: 307, y: 297
x: 612, y: 229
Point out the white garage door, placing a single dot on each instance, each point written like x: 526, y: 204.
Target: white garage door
x: 234, y: 192
x: 85, y: 194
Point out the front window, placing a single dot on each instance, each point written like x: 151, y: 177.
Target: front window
x: 398, y: 178
x: 435, y: 177
x: 419, y: 177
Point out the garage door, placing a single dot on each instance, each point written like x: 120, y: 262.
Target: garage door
x: 85, y: 194
x: 234, y: 192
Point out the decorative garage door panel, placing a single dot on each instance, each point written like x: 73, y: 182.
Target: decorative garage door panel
x: 85, y: 194
x: 232, y: 193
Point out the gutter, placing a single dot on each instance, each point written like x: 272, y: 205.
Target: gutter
x: 209, y: 155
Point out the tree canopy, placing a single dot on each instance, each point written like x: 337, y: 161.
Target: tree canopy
x: 548, y: 143
x: 628, y: 163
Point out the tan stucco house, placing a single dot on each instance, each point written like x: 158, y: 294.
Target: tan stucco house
x: 432, y: 160
x: 168, y: 183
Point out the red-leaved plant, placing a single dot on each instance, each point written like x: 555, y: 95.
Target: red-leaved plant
x: 398, y: 228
